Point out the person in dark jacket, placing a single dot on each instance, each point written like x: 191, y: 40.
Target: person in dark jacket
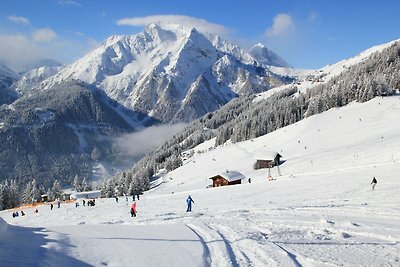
x: 189, y: 202
x: 374, y: 182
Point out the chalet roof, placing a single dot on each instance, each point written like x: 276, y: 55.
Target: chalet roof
x: 88, y: 194
x: 268, y: 155
x: 231, y: 176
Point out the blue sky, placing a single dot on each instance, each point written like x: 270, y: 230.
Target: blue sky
x: 306, y: 33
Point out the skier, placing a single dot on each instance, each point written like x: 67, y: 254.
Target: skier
x: 133, y: 209
x: 58, y: 204
x: 374, y: 182
x: 51, y: 206
x: 22, y: 213
x: 116, y: 199
x: 83, y: 201
x: 189, y: 201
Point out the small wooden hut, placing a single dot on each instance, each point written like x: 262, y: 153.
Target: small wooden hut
x: 227, y: 178
x: 44, y: 198
x: 269, y: 159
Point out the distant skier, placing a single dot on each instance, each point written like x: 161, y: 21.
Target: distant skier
x: 84, y: 202
x: 51, y: 206
x: 189, y: 202
x: 58, y: 204
x: 374, y: 182
x: 22, y: 213
x: 116, y: 199
x: 133, y: 209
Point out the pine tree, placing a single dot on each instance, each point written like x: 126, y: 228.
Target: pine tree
x: 77, y: 184
x: 56, y: 189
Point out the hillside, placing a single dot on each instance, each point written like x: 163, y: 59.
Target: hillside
x: 250, y: 117
x: 7, y: 78
x: 58, y: 134
x: 320, y: 212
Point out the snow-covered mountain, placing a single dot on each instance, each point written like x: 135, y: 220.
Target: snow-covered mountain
x: 7, y: 78
x: 267, y: 57
x: 44, y: 62
x: 171, y: 73
x: 32, y: 79
x: 57, y: 134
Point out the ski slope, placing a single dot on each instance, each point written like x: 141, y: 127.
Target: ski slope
x: 320, y: 212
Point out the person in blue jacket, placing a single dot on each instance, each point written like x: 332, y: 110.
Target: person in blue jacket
x: 189, y: 202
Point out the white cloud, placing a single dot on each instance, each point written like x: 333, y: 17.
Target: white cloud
x: 330, y: 39
x: 139, y: 143
x: 44, y: 35
x: 69, y: 3
x: 18, y: 50
x: 19, y: 20
x: 313, y: 15
x: 201, y: 25
x: 282, y: 23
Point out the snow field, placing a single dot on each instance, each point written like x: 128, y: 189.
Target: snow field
x: 320, y: 212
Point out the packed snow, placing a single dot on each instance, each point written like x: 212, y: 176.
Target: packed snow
x: 321, y: 211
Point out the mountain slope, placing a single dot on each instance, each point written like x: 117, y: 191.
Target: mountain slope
x: 320, y: 212
x: 247, y: 118
x: 171, y: 73
x: 32, y: 79
x: 58, y: 134
x: 7, y: 78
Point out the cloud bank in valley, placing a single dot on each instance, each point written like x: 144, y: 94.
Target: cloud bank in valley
x: 139, y: 143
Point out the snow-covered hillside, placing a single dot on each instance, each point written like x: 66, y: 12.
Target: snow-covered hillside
x: 32, y: 79
x: 170, y: 73
x: 307, y: 79
x: 320, y: 212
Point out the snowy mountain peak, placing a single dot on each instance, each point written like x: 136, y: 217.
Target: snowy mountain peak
x: 153, y: 72
x: 266, y: 57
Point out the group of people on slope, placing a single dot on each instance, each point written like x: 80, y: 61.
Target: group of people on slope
x: 189, y: 201
x: 16, y: 213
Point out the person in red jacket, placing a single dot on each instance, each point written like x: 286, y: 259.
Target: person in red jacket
x: 133, y: 209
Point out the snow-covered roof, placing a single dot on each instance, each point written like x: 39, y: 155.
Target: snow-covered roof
x: 87, y: 194
x: 231, y: 176
x: 268, y: 155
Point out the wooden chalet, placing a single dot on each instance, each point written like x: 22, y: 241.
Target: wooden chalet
x: 269, y: 159
x: 227, y: 178
x: 44, y: 198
